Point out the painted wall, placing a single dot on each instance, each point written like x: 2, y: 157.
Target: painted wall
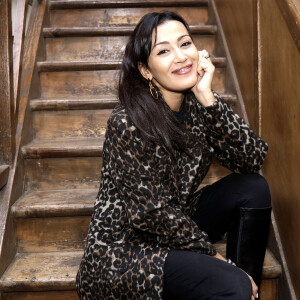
x: 271, y: 91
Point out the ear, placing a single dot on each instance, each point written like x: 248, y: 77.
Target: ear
x: 145, y: 71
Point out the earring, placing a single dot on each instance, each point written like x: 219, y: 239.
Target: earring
x: 153, y: 90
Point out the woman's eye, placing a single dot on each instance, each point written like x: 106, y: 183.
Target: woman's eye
x: 162, y: 52
x: 186, y: 44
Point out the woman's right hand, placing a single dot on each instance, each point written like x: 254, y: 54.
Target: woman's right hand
x: 254, y: 288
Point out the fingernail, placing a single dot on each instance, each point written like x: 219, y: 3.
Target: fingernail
x: 256, y: 296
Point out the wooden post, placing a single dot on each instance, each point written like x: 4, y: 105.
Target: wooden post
x: 7, y: 128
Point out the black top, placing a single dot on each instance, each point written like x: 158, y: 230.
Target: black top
x: 181, y: 113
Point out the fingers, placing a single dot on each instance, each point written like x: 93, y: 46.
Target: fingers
x: 254, y: 288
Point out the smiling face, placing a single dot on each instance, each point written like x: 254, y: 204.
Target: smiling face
x: 173, y: 59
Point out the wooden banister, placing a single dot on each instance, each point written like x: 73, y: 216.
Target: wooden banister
x: 290, y: 10
x: 7, y: 128
x: 19, y: 30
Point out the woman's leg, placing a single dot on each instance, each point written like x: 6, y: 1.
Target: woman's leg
x: 193, y: 276
x: 239, y: 204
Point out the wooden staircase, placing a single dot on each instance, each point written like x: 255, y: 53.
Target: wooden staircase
x: 83, y: 48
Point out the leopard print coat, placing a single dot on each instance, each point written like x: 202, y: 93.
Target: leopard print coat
x: 145, y: 201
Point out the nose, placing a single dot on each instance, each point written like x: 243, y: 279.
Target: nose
x: 179, y: 56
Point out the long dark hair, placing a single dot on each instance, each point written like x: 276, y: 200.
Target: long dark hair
x: 154, y: 118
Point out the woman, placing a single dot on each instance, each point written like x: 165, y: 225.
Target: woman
x: 152, y: 232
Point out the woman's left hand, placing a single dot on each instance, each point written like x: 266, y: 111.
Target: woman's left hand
x: 202, y: 88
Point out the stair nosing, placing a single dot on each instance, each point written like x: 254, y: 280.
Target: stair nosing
x: 123, y: 4
x: 85, y: 104
x: 56, y: 66
x: 113, y: 30
x: 62, y: 149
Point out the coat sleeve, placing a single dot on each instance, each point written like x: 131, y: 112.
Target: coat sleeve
x: 147, y: 197
x: 235, y: 144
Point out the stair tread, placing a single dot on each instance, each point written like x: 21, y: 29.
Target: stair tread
x: 114, y: 30
x: 41, y: 271
x: 109, y: 101
x: 62, y: 4
x: 55, y: 203
x: 64, y: 147
x: 4, y: 173
x: 57, y: 270
x: 45, y: 66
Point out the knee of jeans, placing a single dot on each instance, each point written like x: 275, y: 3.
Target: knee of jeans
x: 259, y: 195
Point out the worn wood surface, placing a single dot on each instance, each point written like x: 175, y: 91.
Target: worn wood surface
x: 55, y: 203
x: 63, y: 173
x: 4, y: 172
x: 65, y: 4
x: 90, y: 84
x: 48, y: 295
x: 83, y: 147
x: 280, y: 127
x: 102, y: 48
x: 268, y: 289
x: 52, y: 234
x: 42, y: 271
x: 18, y: 46
x: 70, y: 124
x: 7, y: 126
x: 113, y: 30
x: 120, y: 16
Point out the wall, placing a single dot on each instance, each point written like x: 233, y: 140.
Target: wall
x: 280, y: 113
x: 239, y: 24
x: 258, y: 35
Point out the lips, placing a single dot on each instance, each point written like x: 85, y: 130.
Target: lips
x: 184, y: 70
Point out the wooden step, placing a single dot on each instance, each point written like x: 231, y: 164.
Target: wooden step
x: 55, y: 66
x: 98, y: 17
x: 57, y: 271
x: 100, y: 103
x: 91, y: 147
x: 85, y: 4
x: 112, y: 31
x: 94, y: 84
x: 41, y: 272
x: 70, y: 124
x: 103, y: 48
x: 108, y: 102
x: 4, y: 173
x: 49, y: 167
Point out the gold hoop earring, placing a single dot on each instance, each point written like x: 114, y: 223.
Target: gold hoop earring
x: 153, y: 90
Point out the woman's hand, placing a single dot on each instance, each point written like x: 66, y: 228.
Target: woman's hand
x: 202, y: 88
x: 254, y: 286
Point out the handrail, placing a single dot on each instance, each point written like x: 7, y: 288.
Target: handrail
x: 291, y: 12
x: 7, y: 128
x: 19, y: 29
x: 15, y: 185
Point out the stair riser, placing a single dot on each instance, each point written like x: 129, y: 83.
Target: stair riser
x: 59, y: 295
x: 268, y: 291
x: 109, y: 48
x: 63, y: 173
x: 92, y: 84
x: 120, y: 16
x: 70, y: 124
x: 52, y: 234
x: 80, y: 172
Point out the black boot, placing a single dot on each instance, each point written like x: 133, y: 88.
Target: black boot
x: 247, y: 240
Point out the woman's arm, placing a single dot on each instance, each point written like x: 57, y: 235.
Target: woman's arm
x: 236, y: 145
x: 147, y: 197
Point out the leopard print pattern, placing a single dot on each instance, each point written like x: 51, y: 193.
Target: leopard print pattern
x: 145, y: 201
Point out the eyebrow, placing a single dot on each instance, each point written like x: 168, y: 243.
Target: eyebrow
x: 166, y: 42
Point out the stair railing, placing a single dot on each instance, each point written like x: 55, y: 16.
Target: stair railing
x: 17, y: 125
x: 290, y: 10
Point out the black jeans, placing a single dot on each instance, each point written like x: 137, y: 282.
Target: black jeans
x: 195, y: 276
